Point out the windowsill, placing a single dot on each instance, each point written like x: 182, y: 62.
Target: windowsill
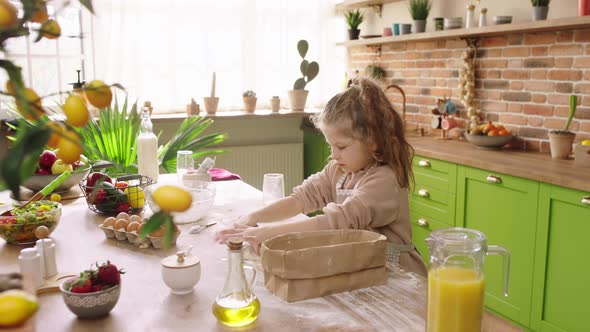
x: 159, y: 117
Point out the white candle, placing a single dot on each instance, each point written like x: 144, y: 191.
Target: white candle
x: 213, y: 86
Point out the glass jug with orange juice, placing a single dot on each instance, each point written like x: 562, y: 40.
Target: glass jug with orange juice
x: 456, y: 279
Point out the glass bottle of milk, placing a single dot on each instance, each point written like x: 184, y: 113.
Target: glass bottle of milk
x: 147, y: 147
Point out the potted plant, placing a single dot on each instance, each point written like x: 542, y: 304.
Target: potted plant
x: 354, y: 18
x: 309, y: 70
x: 419, y: 9
x: 249, y: 98
x: 540, y: 9
x: 560, y: 141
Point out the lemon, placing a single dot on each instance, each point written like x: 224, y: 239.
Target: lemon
x: 586, y: 142
x: 16, y: 307
x: 76, y: 111
x: 55, y: 197
x: 69, y: 147
x: 51, y: 29
x: 8, y: 14
x: 98, y: 93
x: 34, y: 102
x: 136, y: 197
x: 172, y: 198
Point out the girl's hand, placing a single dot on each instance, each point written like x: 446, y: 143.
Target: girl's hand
x: 253, y: 235
x: 247, y: 220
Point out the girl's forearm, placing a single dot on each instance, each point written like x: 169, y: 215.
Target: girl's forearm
x: 311, y: 224
x: 279, y: 210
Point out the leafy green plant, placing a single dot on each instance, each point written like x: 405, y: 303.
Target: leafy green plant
x: 354, y: 18
x: 540, y: 3
x: 419, y: 9
x: 249, y: 93
x: 309, y: 70
x: 113, y: 137
x: 570, y: 116
x: 375, y: 71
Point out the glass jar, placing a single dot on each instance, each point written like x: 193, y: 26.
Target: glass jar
x: 483, y: 20
x: 236, y: 305
x: 456, y: 279
x: 470, y: 17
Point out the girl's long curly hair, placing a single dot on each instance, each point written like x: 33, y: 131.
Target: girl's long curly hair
x: 373, y: 120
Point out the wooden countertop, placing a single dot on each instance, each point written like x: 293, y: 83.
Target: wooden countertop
x: 146, y: 304
x: 529, y: 165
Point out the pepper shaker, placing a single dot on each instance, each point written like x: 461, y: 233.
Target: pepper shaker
x: 29, y: 262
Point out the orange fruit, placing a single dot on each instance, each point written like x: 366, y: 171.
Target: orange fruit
x: 76, y: 111
x: 51, y: 29
x: 98, y: 93
x: 503, y: 132
x: 8, y: 14
x: 493, y: 132
x: 40, y: 12
x: 35, y: 110
x: 57, y: 129
x: 69, y: 147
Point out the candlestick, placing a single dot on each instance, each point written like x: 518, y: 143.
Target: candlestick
x: 213, y: 86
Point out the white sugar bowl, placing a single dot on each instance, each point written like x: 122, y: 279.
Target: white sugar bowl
x: 181, y: 272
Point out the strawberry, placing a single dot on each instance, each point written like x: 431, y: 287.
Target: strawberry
x: 108, y: 274
x: 97, y: 287
x: 81, y: 285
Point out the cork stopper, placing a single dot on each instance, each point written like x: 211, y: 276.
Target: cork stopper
x: 235, y: 243
x: 42, y: 232
x: 484, y: 10
x: 470, y: 7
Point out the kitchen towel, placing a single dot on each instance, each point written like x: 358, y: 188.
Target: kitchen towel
x: 220, y: 174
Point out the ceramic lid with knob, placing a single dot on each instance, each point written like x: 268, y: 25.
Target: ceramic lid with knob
x: 180, y: 261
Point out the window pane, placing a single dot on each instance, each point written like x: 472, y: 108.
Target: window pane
x: 69, y: 66
x: 45, y: 79
x: 69, y: 42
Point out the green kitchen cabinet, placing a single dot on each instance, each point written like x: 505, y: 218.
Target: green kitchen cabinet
x: 316, y: 151
x: 504, y: 208
x: 561, y: 286
x: 421, y: 228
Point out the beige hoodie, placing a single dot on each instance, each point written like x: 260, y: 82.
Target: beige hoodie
x: 378, y: 204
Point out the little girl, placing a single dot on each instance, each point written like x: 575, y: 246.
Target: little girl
x: 364, y: 186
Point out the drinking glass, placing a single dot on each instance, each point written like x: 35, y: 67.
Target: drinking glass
x: 273, y: 187
x: 184, y: 163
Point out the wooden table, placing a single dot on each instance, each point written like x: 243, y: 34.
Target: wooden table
x: 146, y: 304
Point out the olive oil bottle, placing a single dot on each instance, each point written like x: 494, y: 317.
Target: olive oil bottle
x: 236, y: 305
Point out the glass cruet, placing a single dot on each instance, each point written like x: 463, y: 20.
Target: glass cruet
x: 456, y: 279
x: 236, y: 305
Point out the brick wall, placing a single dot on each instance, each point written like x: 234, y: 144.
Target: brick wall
x: 522, y: 80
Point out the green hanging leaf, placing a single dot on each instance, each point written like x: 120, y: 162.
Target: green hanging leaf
x: 87, y: 4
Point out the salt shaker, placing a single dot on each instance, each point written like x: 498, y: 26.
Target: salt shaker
x: 29, y: 262
x: 483, y: 21
x: 46, y: 249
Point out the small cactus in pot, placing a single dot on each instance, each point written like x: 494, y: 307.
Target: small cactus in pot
x: 250, y: 99
x: 309, y: 70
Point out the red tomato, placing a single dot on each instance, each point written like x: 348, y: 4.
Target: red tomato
x: 121, y: 185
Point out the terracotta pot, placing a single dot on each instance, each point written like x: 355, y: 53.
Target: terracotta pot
x: 249, y: 104
x: 561, y: 145
x: 297, y: 99
x: 211, y: 104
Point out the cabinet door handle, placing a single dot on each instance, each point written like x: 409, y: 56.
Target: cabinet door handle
x: 586, y: 200
x: 423, y: 193
x: 494, y: 179
x: 424, y: 163
x: 422, y: 222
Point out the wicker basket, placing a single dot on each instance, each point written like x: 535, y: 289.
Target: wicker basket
x: 125, y: 195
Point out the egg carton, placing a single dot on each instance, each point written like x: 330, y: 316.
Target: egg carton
x: 127, y: 228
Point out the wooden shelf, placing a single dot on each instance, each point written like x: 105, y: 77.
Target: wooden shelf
x: 354, y: 4
x: 567, y: 23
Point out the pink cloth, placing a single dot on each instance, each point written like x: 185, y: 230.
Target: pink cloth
x: 220, y: 174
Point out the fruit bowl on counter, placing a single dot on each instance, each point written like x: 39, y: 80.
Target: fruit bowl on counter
x: 37, y: 182
x: 490, y: 142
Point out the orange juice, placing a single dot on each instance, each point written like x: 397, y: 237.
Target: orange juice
x: 455, y: 300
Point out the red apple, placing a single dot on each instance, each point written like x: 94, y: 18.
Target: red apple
x: 43, y: 171
x: 47, y: 159
x: 95, y: 177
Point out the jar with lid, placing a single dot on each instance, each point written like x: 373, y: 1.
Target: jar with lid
x: 483, y: 20
x: 470, y: 17
x: 181, y: 272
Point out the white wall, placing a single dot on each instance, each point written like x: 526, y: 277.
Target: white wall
x: 520, y: 10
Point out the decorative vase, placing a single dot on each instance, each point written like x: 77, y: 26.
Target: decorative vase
x: 297, y: 100
x: 353, y: 34
x: 419, y: 26
x: 249, y: 104
x: 540, y: 13
x: 560, y: 144
x: 211, y: 104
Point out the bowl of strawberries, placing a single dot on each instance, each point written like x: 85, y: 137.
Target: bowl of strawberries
x: 93, y: 293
